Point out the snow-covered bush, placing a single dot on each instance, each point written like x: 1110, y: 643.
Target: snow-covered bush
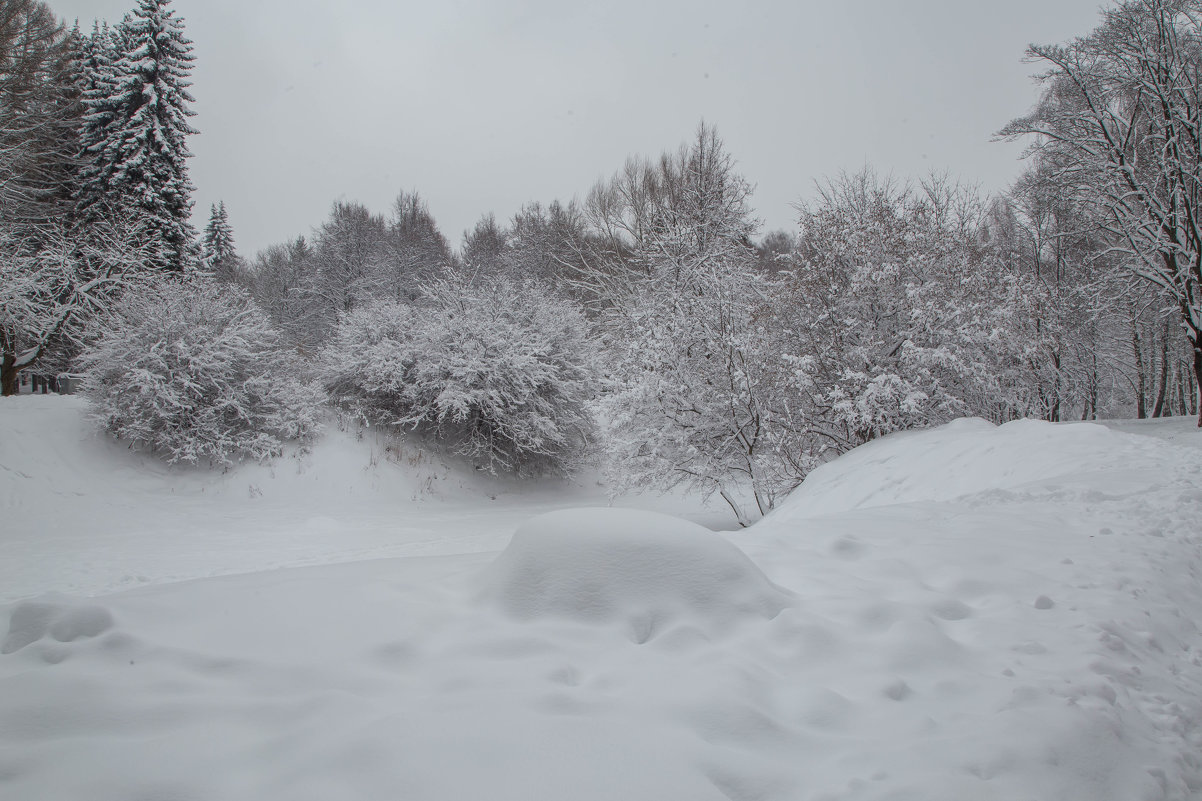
x: 496, y: 369
x: 193, y: 370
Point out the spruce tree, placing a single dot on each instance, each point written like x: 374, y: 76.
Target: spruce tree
x: 137, y: 128
x: 218, y: 256
x: 95, y: 57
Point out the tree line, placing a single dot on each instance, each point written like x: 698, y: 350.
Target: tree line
x: 651, y: 322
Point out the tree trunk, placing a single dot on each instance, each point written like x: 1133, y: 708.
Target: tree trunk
x: 1141, y: 381
x: 1195, y: 396
x: 1059, y: 383
x: 1092, y: 406
x: 1162, y: 390
x: 1195, y: 341
x: 8, y: 375
x: 1182, y: 380
x: 1194, y: 335
x: 735, y: 507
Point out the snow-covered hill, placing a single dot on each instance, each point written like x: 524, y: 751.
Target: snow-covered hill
x: 973, y: 612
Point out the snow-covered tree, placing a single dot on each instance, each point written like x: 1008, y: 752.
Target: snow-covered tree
x: 218, y: 256
x: 354, y: 258
x: 347, y: 257
x: 278, y: 281
x: 693, y: 401
x: 897, y: 316
x: 776, y: 251
x: 497, y: 370
x: 415, y: 251
x: 53, y: 282
x: 549, y: 244
x: 1109, y: 347
x: 192, y: 370
x: 1120, y: 127
x: 137, y: 127
x: 485, y: 248
x: 96, y: 59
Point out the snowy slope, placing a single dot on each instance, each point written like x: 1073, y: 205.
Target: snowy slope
x: 85, y: 515
x: 967, y: 613
x: 1028, y: 595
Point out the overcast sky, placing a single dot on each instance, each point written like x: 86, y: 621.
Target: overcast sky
x: 485, y: 105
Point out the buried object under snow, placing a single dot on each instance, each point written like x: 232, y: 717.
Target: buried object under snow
x: 604, y: 565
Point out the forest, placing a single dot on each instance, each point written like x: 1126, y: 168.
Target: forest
x: 649, y: 324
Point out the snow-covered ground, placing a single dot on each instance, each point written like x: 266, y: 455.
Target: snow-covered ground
x: 973, y: 612
x: 83, y: 515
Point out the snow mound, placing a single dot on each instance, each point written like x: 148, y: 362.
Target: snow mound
x: 968, y: 457
x: 643, y: 568
x: 62, y: 621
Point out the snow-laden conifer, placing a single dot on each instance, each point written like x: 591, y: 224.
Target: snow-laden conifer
x: 137, y: 127
x: 96, y: 57
x: 218, y: 256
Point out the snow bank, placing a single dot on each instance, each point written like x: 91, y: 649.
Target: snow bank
x: 1026, y: 598
x: 1021, y: 622
x: 642, y: 568
x: 967, y: 457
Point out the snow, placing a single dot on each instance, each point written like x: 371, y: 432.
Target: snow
x: 84, y: 515
x: 645, y: 569
x: 972, y: 456
x: 968, y: 612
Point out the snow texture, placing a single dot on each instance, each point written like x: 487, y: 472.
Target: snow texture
x: 972, y: 612
x: 192, y: 370
x: 644, y: 569
x: 495, y: 370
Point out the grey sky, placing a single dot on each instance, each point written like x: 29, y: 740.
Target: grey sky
x: 482, y: 106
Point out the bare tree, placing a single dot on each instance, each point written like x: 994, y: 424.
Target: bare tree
x: 348, y: 253
x: 485, y: 249
x: 416, y: 252
x: 1120, y: 127
x: 39, y: 112
x: 278, y: 280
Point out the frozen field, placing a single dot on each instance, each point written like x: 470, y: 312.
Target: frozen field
x: 973, y: 612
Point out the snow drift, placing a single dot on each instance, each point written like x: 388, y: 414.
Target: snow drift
x: 971, y: 456
x: 966, y: 613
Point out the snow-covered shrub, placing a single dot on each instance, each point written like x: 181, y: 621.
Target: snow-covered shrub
x: 496, y: 369
x: 193, y: 370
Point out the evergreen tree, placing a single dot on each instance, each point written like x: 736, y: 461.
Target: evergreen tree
x: 137, y: 127
x: 96, y: 58
x: 218, y: 256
